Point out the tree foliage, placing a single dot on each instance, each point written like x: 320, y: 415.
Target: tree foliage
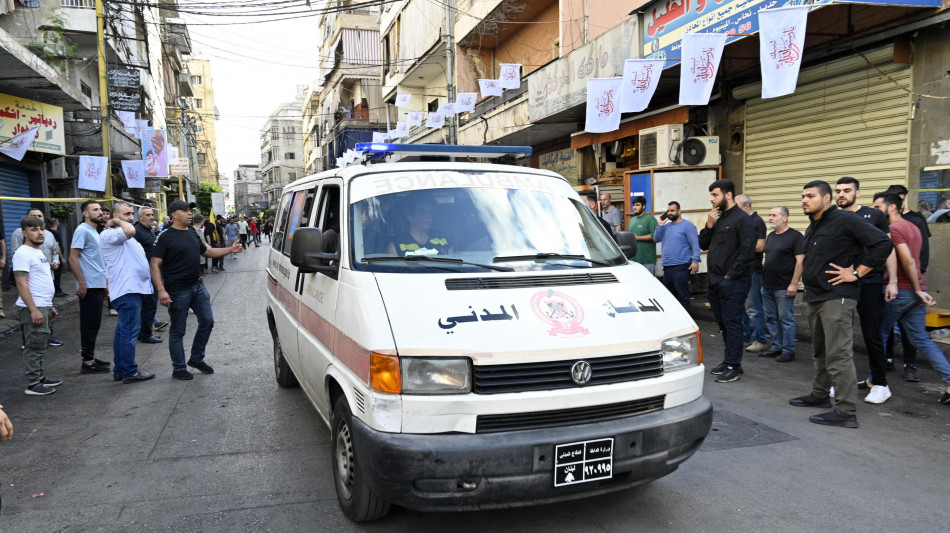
x: 203, y: 197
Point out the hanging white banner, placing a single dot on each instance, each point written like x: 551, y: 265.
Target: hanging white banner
x: 402, y: 99
x: 781, y: 39
x: 702, y: 53
x: 402, y: 129
x: 393, y: 134
x: 510, y: 77
x: 379, y: 136
x: 435, y: 120
x: 414, y: 118
x: 19, y: 144
x: 127, y: 118
x: 603, y: 105
x: 140, y: 124
x: 134, y: 173
x: 93, y: 170
x: 465, y: 102
x: 640, y: 78
x: 172, y: 154
x: 489, y: 87
x: 447, y: 109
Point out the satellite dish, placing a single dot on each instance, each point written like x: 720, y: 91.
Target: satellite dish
x: 694, y: 152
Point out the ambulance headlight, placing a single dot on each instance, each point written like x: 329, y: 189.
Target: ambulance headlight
x: 682, y: 352
x: 423, y: 375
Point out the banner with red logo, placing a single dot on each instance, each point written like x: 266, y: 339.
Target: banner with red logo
x: 701, y: 53
x: 781, y: 40
x: 640, y: 78
x: 603, y: 104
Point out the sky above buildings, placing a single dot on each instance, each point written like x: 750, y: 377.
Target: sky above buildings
x: 255, y: 67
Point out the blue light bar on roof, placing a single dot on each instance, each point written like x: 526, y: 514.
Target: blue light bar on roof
x: 458, y: 150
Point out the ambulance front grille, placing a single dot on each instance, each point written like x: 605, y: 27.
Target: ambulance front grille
x: 549, y: 375
x: 565, y: 417
x: 508, y: 282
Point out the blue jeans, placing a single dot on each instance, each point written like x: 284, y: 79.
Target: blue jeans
x: 753, y: 319
x: 676, y: 280
x: 198, y: 300
x: 129, y: 307
x: 726, y: 299
x: 149, y: 307
x: 780, y: 319
x: 911, y: 313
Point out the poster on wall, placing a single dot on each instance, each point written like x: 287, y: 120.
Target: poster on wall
x: 154, y: 153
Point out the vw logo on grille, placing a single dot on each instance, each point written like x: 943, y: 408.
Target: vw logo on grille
x: 580, y: 372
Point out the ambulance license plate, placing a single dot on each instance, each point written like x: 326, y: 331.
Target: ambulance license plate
x: 580, y: 462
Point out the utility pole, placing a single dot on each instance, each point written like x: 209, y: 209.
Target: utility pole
x: 449, y: 70
x: 104, y: 96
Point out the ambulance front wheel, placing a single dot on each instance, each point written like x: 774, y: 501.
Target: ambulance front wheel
x: 357, y: 500
x: 285, y: 376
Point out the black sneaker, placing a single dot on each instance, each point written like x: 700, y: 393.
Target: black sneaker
x: 834, y: 418
x: 38, y: 389
x: 51, y: 382
x: 94, y: 368
x: 160, y: 326
x: 945, y: 399
x: 910, y: 374
x: 863, y: 385
x: 138, y: 376
x: 771, y: 352
x: 720, y: 368
x: 730, y: 373
x: 102, y: 363
x: 205, y: 368
x: 182, y: 374
x: 785, y: 358
x: 810, y: 400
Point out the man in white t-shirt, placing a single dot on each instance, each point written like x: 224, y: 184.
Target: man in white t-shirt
x: 34, y: 283
x: 242, y: 231
x: 129, y: 279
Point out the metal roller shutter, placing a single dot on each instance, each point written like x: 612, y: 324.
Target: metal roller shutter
x: 13, y: 182
x: 853, y: 124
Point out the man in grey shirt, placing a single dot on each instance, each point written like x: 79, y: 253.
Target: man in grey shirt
x: 611, y: 214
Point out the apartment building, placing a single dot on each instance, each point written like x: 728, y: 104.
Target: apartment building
x: 206, y: 114
x: 282, y: 146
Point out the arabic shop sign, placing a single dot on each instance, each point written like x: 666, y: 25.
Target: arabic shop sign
x: 665, y: 21
x: 19, y: 114
x: 563, y: 84
x: 124, y: 77
x: 564, y: 162
x: 179, y: 167
x: 125, y: 100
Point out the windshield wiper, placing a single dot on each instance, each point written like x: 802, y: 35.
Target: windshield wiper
x: 412, y: 258
x: 545, y: 256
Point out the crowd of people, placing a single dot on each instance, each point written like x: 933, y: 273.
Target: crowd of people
x: 133, y: 265
x: 852, y: 259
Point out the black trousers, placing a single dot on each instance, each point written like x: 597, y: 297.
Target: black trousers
x: 90, y: 318
x: 871, y: 311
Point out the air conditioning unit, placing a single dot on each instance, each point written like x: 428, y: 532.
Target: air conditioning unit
x: 701, y: 151
x: 658, y: 145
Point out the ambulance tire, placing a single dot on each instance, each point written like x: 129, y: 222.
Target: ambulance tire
x: 356, y: 498
x: 285, y: 376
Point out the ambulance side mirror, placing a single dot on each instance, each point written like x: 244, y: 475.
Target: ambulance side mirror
x: 307, y: 251
x: 627, y: 242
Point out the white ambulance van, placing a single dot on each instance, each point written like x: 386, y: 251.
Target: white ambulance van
x: 475, y: 339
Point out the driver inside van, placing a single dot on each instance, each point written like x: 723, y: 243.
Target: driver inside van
x: 417, y: 238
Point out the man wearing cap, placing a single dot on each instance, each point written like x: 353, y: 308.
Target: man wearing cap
x: 176, y: 274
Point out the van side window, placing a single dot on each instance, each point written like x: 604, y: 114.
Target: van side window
x: 328, y: 219
x: 294, y: 218
x: 281, y: 222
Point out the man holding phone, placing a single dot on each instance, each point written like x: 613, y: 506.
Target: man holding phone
x: 680, y: 251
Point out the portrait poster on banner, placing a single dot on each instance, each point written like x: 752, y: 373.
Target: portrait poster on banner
x: 93, y: 171
x: 154, y: 153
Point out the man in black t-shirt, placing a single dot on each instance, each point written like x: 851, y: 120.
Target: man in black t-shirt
x: 784, y: 257
x: 176, y: 274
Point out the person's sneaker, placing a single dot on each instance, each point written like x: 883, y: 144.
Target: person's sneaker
x: 53, y: 341
x: 94, y: 368
x: 113, y: 312
x: 50, y: 382
x: 718, y: 369
x: 863, y: 384
x: 910, y: 374
x: 889, y: 365
x: 771, y: 352
x: 834, y: 418
x: 214, y: 269
x: 182, y: 374
x: 756, y: 347
x: 116, y: 377
x: 878, y: 394
x: 205, y: 368
x: 945, y: 399
x: 138, y: 376
x: 220, y: 269
x: 731, y: 373
x: 810, y: 400
x: 785, y: 358
x: 160, y: 325
x: 38, y: 389
x: 102, y: 363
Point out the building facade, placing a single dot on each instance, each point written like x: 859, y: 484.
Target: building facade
x: 247, y: 189
x: 206, y: 114
x: 282, y: 147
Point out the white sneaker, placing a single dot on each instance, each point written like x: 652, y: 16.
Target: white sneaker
x: 831, y: 392
x: 878, y: 394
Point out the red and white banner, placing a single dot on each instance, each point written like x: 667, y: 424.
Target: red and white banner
x: 489, y: 87
x: 134, y: 173
x: 435, y: 120
x: 510, y: 77
x: 465, y: 102
x: 701, y: 53
x: 93, y: 171
x: 393, y: 134
x: 18, y: 145
x: 447, y: 109
x: 402, y: 128
x: 640, y: 78
x: 402, y: 99
x: 603, y: 104
x: 414, y: 118
x: 781, y: 40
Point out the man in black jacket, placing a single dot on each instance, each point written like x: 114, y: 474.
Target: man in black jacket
x: 840, y: 249
x: 730, y: 238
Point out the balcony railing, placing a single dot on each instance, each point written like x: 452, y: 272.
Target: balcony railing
x: 78, y: 4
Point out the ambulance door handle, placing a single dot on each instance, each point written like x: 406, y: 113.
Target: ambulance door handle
x: 298, y: 284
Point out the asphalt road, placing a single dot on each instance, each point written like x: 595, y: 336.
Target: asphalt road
x: 234, y: 452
